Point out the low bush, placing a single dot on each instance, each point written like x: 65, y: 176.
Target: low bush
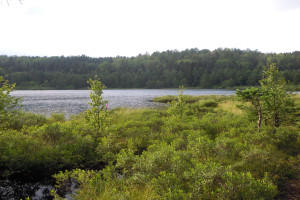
x: 189, y: 151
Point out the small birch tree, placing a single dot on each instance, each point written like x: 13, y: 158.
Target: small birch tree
x: 177, y: 106
x: 98, y: 112
x: 277, y: 101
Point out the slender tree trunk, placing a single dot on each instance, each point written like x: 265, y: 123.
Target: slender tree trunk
x: 257, y: 107
x: 259, y: 118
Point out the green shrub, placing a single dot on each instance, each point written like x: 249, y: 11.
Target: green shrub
x: 286, y: 139
x: 201, y: 146
x: 212, y: 181
x: 57, y: 117
x: 208, y: 103
x: 244, y: 186
x: 19, y: 153
x: 169, y: 186
x: 21, y: 119
x: 162, y: 157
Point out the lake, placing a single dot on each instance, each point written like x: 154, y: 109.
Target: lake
x: 72, y: 102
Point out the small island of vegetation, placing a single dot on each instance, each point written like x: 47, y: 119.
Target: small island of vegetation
x: 207, y: 147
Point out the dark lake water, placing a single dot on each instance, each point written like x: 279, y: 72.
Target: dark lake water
x: 75, y: 101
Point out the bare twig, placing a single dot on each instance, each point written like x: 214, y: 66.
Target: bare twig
x: 8, y: 1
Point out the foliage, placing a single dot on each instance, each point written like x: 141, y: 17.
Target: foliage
x: 209, y: 153
x: 177, y: 106
x: 253, y: 95
x: 272, y: 101
x: 9, y: 105
x: 25, y: 119
x: 98, y: 111
x: 220, y: 68
x: 277, y: 99
x: 170, y: 98
x: 192, y: 99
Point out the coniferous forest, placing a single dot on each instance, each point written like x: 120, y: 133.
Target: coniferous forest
x: 221, y: 68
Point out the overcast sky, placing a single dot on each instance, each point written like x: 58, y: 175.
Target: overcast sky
x: 100, y: 28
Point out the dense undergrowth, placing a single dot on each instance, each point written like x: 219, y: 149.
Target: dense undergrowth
x: 205, y: 149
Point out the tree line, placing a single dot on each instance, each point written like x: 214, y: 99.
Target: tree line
x: 220, y: 68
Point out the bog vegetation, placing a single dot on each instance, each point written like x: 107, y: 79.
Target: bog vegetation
x: 209, y: 147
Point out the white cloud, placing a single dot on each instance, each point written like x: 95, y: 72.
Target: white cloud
x: 284, y: 5
x: 118, y: 27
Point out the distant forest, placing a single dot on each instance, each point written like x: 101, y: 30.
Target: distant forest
x: 221, y: 68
